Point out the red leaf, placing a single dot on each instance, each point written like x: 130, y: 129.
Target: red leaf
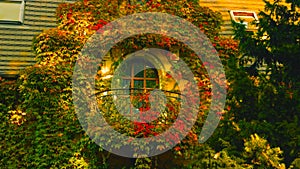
x: 168, y: 75
x: 69, y: 15
x: 177, y: 148
x: 95, y: 27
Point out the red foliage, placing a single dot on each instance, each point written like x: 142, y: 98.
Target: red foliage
x: 144, y: 128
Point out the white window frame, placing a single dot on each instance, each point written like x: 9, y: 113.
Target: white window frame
x: 234, y: 17
x: 18, y: 20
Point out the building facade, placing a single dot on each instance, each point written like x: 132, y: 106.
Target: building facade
x: 225, y: 6
x: 22, y: 20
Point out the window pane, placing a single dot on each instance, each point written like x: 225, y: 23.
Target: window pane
x: 11, y: 11
x: 125, y: 84
x: 139, y: 74
x: 138, y: 84
x: 150, y: 83
x: 138, y: 70
x: 124, y: 70
x: 151, y: 73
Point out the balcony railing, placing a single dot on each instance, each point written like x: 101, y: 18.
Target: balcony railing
x: 122, y: 91
x: 133, y: 101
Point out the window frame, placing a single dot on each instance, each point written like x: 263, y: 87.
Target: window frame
x: 138, y: 91
x: 237, y: 15
x: 133, y: 78
x: 20, y: 19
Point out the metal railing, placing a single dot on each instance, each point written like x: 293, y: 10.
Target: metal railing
x: 130, y: 100
x: 168, y: 94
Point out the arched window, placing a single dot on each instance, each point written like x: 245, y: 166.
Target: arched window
x: 140, y: 76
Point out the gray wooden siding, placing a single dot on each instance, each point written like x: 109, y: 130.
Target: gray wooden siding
x: 16, y: 40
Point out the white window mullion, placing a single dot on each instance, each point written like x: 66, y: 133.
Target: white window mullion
x: 22, y: 9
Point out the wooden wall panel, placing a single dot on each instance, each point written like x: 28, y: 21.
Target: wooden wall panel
x: 16, y: 40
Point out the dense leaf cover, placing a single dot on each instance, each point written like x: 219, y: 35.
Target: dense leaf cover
x: 40, y: 128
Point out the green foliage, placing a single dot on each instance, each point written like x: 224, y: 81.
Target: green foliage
x: 206, y: 157
x: 9, y: 94
x: 40, y: 128
x: 262, y: 156
x: 295, y: 164
x: 77, y: 162
x: 269, y: 71
x: 275, y: 45
x: 108, y: 10
x: 94, y: 14
x: 32, y: 125
x: 257, y: 153
x: 143, y: 163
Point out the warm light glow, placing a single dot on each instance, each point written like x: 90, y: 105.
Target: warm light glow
x: 107, y: 76
x: 104, y: 70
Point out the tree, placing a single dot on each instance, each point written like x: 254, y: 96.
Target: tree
x: 270, y: 57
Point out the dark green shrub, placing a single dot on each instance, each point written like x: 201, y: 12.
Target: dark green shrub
x: 270, y: 105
